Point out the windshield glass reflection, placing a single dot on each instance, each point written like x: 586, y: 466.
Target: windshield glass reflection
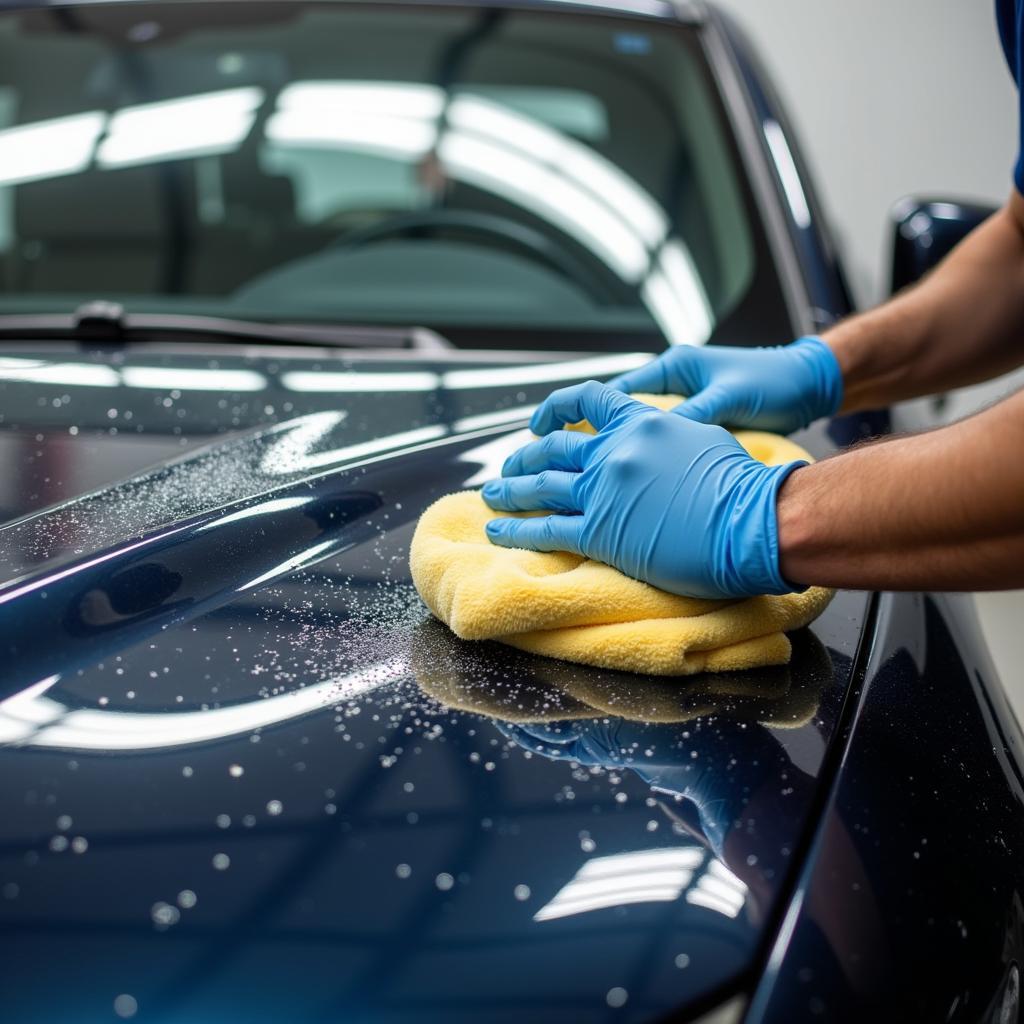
x: 502, y: 168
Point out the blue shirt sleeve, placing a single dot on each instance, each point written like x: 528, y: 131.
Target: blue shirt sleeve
x: 1010, y: 20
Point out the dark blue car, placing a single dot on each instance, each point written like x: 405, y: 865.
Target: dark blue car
x: 273, y: 277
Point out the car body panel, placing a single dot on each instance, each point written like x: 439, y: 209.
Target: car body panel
x: 325, y: 683
x: 911, y: 904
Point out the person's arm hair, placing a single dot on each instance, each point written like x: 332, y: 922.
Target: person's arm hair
x: 962, y: 324
x: 943, y: 510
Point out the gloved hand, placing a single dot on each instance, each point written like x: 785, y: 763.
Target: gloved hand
x: 680, y: 505
x: 778, y: 389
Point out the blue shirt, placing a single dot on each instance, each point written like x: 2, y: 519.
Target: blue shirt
x: 1010, y: 18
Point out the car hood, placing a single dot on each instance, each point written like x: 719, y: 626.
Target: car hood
x: 247, y: 777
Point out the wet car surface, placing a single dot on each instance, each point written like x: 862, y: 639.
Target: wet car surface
x: 244, y: 776
x: 308, y: 781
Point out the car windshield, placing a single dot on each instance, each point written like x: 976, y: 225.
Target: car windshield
x: 541, y: 174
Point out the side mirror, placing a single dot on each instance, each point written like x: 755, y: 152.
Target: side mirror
x: 925, y: 230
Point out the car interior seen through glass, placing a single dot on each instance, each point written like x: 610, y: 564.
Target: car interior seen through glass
x: 446, y: 167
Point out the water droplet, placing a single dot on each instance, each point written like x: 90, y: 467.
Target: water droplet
x: 164, y: 915
x: 274, y: 807
x: 221, y: 861
x: 444, y: 881
x: 186, y: 899
x: 236, y: 771
x: 682, y: 961
x: 521, y: 892
x: 616, y: 997
x: 187, y: 771
x: 403, y: 871
x: 126, y: 1006
x: 58, y: 844
x: 79, y: 844
x: 587, y: 845
x: 223, y: 821
x: 64, y: 822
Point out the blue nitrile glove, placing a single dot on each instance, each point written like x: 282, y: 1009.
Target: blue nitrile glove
x: 779, y: 389
x: 678, y: 504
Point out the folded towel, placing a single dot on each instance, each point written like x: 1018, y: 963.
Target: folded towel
x: 568, y: 607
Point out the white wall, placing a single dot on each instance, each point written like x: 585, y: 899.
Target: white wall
x: 892, y: 97
x: 889, y: 97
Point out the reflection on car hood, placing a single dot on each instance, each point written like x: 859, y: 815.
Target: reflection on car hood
x: 247, y: 777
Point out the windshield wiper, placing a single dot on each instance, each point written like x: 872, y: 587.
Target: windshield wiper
x: 108, y: 322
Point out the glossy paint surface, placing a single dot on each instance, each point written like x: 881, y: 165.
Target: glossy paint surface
x: 924, y: 233
x: 246, y: 776
x: 911, y: 905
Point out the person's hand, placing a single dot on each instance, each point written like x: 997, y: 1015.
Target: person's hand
x: 677, y: 504
x: 778, y: 389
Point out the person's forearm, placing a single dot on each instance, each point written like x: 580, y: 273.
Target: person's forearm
x: 937, y: 511
x: 961, y: 325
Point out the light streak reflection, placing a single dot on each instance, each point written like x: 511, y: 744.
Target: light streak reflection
x: 32, y: 719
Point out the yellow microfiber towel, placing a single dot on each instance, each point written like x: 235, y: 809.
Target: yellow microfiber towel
x: 565, y: 606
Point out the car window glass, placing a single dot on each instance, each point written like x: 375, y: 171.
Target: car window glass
x: 444, y: 167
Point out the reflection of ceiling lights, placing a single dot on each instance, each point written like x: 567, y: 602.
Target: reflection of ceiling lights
x: 389, y: 118
x: 477, y: 140
x: 300, y: 561
x: 31, y: 719
x: 567, y: 158
x: 335, y: 101
x: 193, y: 125
x: 676, y: 266
x: 786, y: 166
x: 503, y: 151
x: 207, y: 123
x: 157, y: 378
x: 674, y: 297
x: 265, y: 508
x: 648, y: 876
x: 48, y: 149
x: 326, y: 382
x: 459, y: 380
x: 490, y: 456
x: 293, y: 451
x: 39, y: 371
x: 385, y: 136
x: 553, y: 197
x: 163, y: 378
x: 542, y: 373
x: 36, y: 371
x: 718, y: 889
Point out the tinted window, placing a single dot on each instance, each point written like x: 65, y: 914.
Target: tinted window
x: 481, y: 169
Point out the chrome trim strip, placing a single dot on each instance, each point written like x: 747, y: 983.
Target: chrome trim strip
x: 767, y: 194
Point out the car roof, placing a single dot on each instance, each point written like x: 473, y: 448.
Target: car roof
x: 687, y: 11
